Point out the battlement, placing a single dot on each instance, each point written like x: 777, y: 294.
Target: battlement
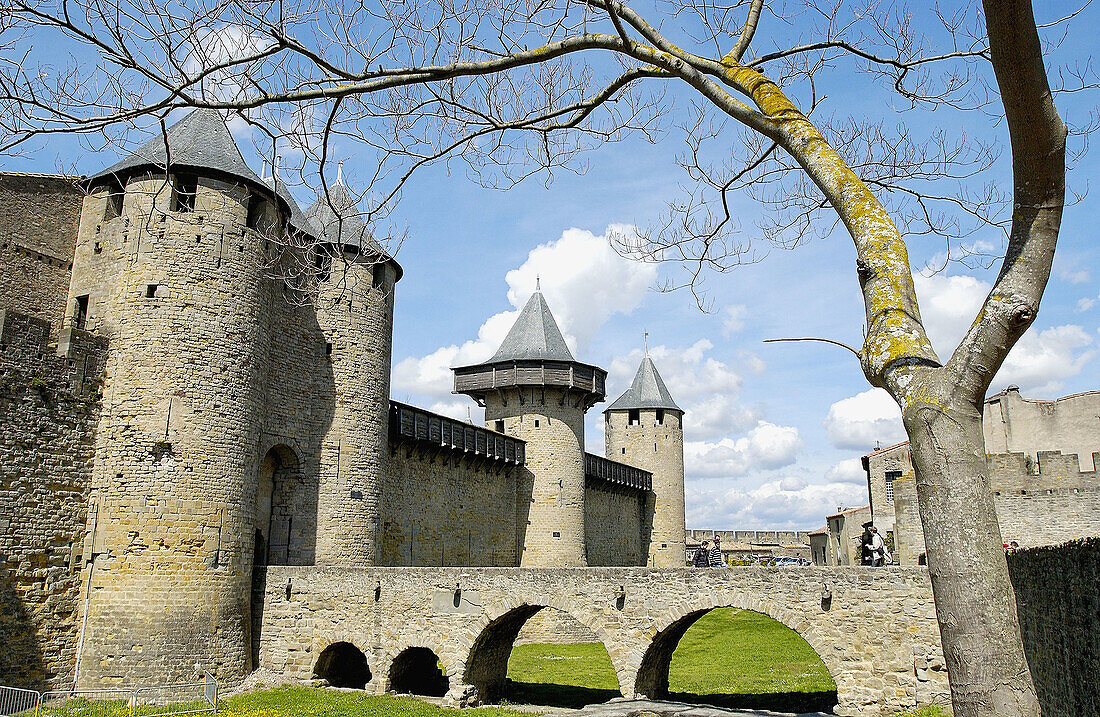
x: 1050, y: 471
x: 74, y: 366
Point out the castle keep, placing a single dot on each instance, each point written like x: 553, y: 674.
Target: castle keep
x: 173, y: 416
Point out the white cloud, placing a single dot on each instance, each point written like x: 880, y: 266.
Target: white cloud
x: 585, y: 282
x: 1040, y: 362
x: 948, y: 305
x: 1086, y: 304
x: 785, y: 503
x: 733, y: 319
x: 847, y: 471
x: 859, y: 421
x: 765, y: 447
x: 1075, y: 276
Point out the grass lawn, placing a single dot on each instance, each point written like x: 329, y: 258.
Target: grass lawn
x: 313, y: 702
x: 736, y: 658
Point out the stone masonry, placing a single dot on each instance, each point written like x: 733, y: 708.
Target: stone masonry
x: 875, y: 629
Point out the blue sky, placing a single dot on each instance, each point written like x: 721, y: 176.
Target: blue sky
x: 773, y: 431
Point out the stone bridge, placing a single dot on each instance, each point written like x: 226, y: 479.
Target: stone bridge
x: 874, y: 628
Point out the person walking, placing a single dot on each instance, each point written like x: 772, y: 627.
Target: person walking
x: 701, y: 557
x: 879, y: 554
x: 716, y: 560
x: 866, y: 554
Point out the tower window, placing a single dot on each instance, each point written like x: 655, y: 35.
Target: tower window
x: 634, y: 418
x: 536, y: 423
x: 184, y: 189
x: 151, y: 290
x: 624, y: 451
x: 80, y: 319
x: 660, y: 417
x: 378, y: 276
x: 256, y: 209
x: 500, y: 426
x: 113, y: 208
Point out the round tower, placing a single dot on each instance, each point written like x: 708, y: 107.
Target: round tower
x: 533, y: 389
x: 355, y: 313
x: 170, y: 266
x: 644, y: 427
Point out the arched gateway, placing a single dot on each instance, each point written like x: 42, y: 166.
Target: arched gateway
x: 875, y: 629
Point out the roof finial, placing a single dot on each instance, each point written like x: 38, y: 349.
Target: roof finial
x: 538, y: 283
x: 645, y: 342
x: 340, y: 172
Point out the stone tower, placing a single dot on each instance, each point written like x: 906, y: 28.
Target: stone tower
x: 355, y: 312
x: 533, y: 389
x: 169, y: 265
x: 644, y: 427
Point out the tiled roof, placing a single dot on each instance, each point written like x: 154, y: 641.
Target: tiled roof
x: 647, y: 390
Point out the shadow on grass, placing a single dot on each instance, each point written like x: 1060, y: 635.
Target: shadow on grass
x: 550, y: 695
x: 773, y: 701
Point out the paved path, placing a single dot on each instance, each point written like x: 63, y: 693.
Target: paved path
x: 655, y: 708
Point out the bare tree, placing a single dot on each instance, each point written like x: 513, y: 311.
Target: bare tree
x: 519, y: 89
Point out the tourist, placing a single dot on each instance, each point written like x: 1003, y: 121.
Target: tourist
x: 866, y: 554
x: 879, y: 554
x: 716, y: 559
x: 701, y: 557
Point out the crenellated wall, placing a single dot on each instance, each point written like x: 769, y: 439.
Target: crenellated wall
x: 49, y: 406
x: 1043, y: 502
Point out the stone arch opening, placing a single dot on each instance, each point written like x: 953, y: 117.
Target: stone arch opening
x: 738, y: 659
x: 342, y: 664
x: 416, y: 671
x: 527, y: 655
x: 285, y: 522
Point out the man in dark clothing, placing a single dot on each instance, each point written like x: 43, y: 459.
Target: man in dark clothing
x: 866, y: 550
x: 701, y: 556
x: 716, y: 559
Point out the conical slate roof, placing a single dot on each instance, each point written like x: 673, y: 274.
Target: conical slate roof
x: 647, y: 390
x: 201, y: 140
x: 336, y: 219
x: 535, y: 335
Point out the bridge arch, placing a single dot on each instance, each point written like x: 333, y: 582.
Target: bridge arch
x: 669, y: 628
x: 343, y: 664
x: 491, y: 639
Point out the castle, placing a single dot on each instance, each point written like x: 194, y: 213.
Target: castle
x: 173, y: 417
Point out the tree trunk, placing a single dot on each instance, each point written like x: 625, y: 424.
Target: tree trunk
x: 975, y: 604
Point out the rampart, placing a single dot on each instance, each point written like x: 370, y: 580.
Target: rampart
x: 1058, y: 601
x: 49, y: 405
x: 1043, y: 502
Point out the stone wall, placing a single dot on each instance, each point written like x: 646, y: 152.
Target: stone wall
x: 1058, y: 600
x: 1014, y: 424
x: 38, y: 220
x: 49, y: 404
x: 445, y: 508
x: 895, y: 459
x: 615, y: 524
x: 1039, y: 502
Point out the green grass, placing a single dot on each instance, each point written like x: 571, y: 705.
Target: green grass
x: 312, y: 702
x: 729, y: 657
x: 928, y: 711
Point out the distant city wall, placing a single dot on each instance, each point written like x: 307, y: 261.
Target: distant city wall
x: 49, y: 404
x: 1058, y: 601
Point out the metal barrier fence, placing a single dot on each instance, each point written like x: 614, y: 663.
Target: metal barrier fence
x: 192, y: 698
